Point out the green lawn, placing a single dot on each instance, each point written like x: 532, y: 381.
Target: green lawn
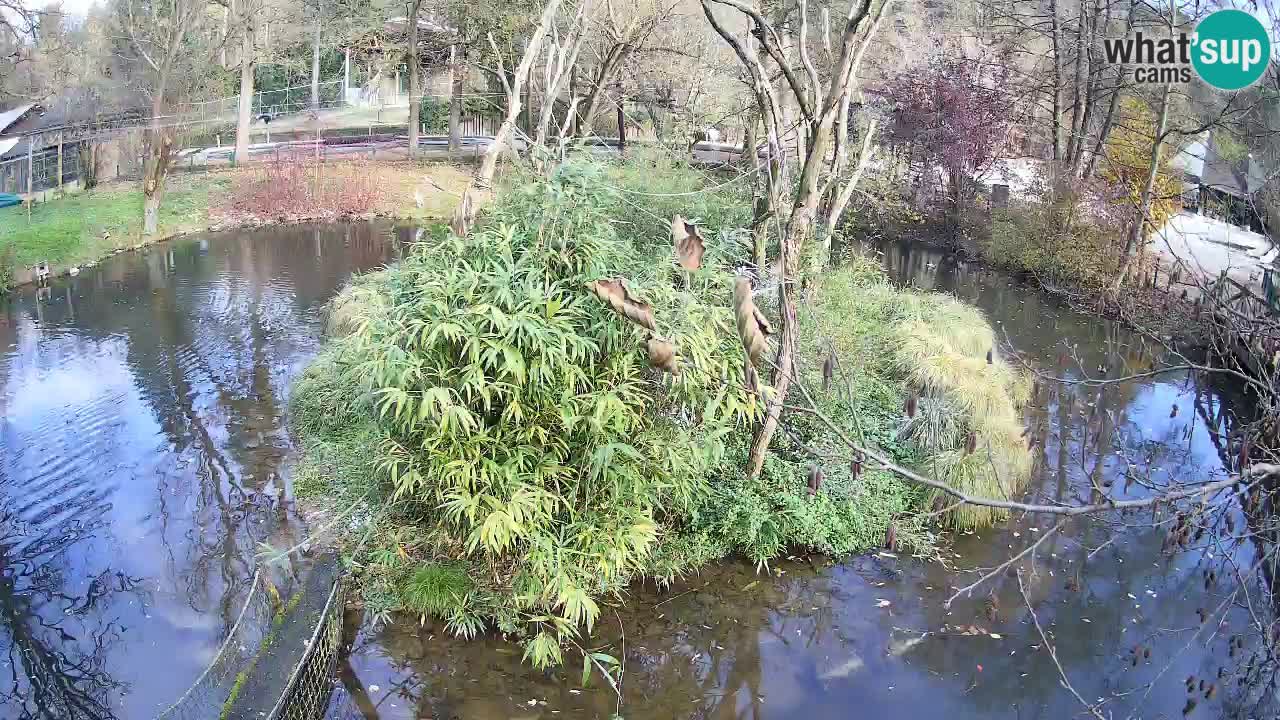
x: 70, y: 230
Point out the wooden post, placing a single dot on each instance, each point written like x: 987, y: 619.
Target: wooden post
x: 622, y: 125
x: 60, y: 193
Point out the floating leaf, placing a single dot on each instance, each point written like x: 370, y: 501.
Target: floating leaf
x: 689, y: 245
x: 750, y: 328
x: 618, y: 296
x: 662, y: 354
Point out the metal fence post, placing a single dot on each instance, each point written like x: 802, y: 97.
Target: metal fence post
x: 31, y: 141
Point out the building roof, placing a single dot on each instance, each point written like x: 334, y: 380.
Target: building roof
x: 1241, y: 178
x: 10, y: 117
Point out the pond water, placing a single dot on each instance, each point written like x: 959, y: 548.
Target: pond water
x: 142, y: 444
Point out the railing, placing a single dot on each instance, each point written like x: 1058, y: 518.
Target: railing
x: 306, y: 696
x: 1250, y: 321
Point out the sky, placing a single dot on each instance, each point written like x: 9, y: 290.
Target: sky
x: 71, y: 7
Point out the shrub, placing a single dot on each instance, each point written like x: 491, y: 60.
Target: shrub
x: 1128, y: 162
x: 8, y: 265
x: 518, y: 411
x: 1074, y: 237
x: 294, y: 189
x: 434, y: 115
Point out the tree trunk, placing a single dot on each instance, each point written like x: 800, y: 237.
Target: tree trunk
x: 315, y: 66
x: 748, y: 158
x: 415, y: 102
x: 1137, y: 232
x: 1056, y: 78
x: 1105, y: 131
x: 798, y: 231
x: 458, y: 68
x: 1079, y: 96
x: 576, y: 122
x: 1091, y: 89
x: 155, y: 170
x: 622, y: 125
x: 245, y: 115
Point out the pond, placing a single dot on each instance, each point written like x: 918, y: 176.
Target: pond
x: 142, y: 439
x: 143, y: 446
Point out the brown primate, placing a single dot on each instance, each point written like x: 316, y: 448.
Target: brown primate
x: 1174, y: 412
x: 993, y: 607
x: 1203, y: 615
x: 1191, y: 683
x: 1231, y: 524
x: 989, y: 358
x: 910, y: 407
x: 1208, y: 694
x: 1146, y: 653
x: 1222, y: 672
x: 815, y: 479
x: 891, y: 538
x: 971, y: 443
x: 828, y: 371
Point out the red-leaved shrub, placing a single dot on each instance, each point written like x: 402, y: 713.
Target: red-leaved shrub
x: 296, y: 189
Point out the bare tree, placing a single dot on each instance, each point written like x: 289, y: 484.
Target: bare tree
x: 820, y: 102
x: 620, y: 36
x: 161, y: 34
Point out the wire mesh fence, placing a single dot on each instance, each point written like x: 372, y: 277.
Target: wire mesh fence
x: 277, y: 661
x: 206, y: 697
x: 306, y: 696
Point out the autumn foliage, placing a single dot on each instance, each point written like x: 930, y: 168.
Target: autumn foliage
x: 288, y: 190
x: 1128, y: 161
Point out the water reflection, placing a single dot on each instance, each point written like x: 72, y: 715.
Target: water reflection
x: 141, y: 442
x: 812, y: 641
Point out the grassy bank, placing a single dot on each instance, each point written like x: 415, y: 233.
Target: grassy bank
x: 520, y: 457
x: 82, y: 228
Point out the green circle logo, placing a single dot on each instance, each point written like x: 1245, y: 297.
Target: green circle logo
x: 1232, y: 49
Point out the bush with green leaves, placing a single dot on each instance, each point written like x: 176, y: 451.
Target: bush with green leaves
x: 519, y: 413
x: 433, y: 114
